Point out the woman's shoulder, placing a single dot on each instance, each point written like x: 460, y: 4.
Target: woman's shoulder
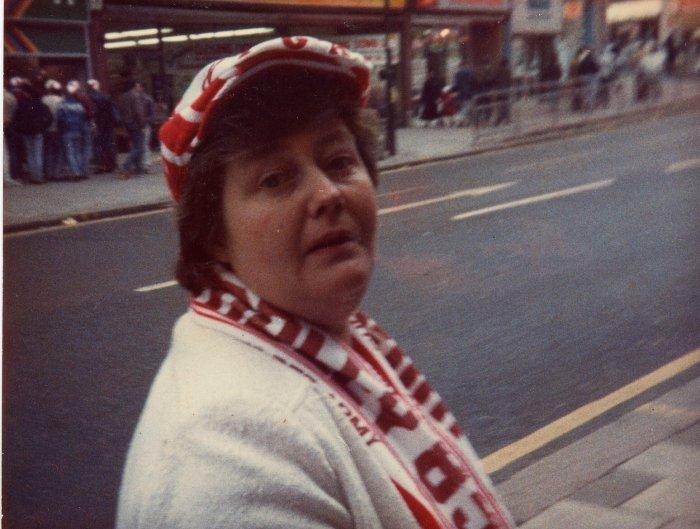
x: 213, y: 364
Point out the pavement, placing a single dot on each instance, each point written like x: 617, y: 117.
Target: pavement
x: 639, y: 471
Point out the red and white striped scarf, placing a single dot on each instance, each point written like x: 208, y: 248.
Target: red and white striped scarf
x: 390, y: 404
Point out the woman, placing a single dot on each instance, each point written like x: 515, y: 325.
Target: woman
x: 279, y: 403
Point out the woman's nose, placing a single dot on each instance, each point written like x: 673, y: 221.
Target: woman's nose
x: 326, y: 197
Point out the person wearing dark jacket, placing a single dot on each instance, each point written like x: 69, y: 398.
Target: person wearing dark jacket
x: 106, y: 120
x: 501, y: 82
x: 134, y: 113
x: 429, y: 97
x: 72, y: 124
x: 32, y: 118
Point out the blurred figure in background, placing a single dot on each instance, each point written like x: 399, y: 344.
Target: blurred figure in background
x: 89, y: 121
x: 106, y: 120
x: 432, y: 88
x: 72, y: 125
x: 649, y: 71
x: 32, y: 118
x: 464, y: 83
x: 133, y: 111
x: 53, y: 146
x: 502, y: 83
x: 148, y: 128
x: 9, y: 105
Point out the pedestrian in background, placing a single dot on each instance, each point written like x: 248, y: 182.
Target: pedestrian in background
x: 9, y: 105
x: 13, y: 138
x: 72, y: 125
x: 502, y: 85
x: 430, y: 95
x: 89, y: 131
x: 280, y: 404
x: 148, y: 129
x: 106, y: 120
x: 53, y: 144
x: 31, y: 119
x: 133, y: 112
x: 464, y: 84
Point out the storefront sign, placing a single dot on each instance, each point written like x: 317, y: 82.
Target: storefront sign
x: 350, y: 4
x: 542, y: 17
x: 371, y: 47
x: 461, y: 5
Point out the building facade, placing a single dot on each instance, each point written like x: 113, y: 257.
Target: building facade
x: 164, y: 43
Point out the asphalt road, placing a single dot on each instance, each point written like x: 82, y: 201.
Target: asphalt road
x: 517, y: 315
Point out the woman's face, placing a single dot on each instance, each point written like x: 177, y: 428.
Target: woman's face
x: 300, y: 223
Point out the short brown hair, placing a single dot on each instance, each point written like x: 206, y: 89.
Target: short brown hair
x: 274, y: 107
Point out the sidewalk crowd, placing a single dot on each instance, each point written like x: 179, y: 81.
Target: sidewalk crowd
x: 483, y: 95
x: 56, y: 134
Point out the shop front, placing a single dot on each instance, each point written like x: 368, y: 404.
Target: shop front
x: 446, y: 32
x: 45, y: 39
x: 165, y: 46
x: 536, y: 27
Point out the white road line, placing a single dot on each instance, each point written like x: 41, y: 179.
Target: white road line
x: 681, y: 166
x: 157, y: 286
x: 400, y: 191
x: 549, y: 161
x: 539, y: 198
x: 474, y: 192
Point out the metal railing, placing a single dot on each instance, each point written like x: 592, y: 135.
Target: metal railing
x: 522, y: 109
x: 533, y: 107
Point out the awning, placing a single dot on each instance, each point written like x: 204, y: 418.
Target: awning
x: 633, y: 10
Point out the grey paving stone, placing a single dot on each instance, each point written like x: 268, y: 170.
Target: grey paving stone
x: 615, y: 488
x: 568, y: 514
x: 675, y: 498
x: 667, y: 460
x: 559, y: 475
x: 682, y: 524
x: 689, y: 437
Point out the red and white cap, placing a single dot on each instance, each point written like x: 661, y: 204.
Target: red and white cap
x: 183, y: 131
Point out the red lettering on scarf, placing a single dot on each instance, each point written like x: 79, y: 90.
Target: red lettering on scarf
x: 408, y: 375
x: 295, y: 43
x: 388, y: 416
x: 394, y: 357
x: 422, y: 392
x: 312, y: 344
x: 491, y: 518
x: 451, y: 476
x: 460, y: 519
x: 337, y: 49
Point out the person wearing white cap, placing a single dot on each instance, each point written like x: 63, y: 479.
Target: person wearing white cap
x: 53, y: 145
x: 280, y: 404
x: 72, y: 124
x: 106, y: 120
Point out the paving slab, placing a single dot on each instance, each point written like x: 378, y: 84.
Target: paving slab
x: 615, y: 488
x: 681, y: 524
x: 559, y: 475
x: 570, y: 514
x: 671, y: 497
x: 668, y: 459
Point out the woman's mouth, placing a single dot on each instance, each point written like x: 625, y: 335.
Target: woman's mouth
x: 333, y: 240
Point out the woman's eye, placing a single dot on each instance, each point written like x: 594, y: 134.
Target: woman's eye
x: 272, y: 180
x: 341, y: 164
